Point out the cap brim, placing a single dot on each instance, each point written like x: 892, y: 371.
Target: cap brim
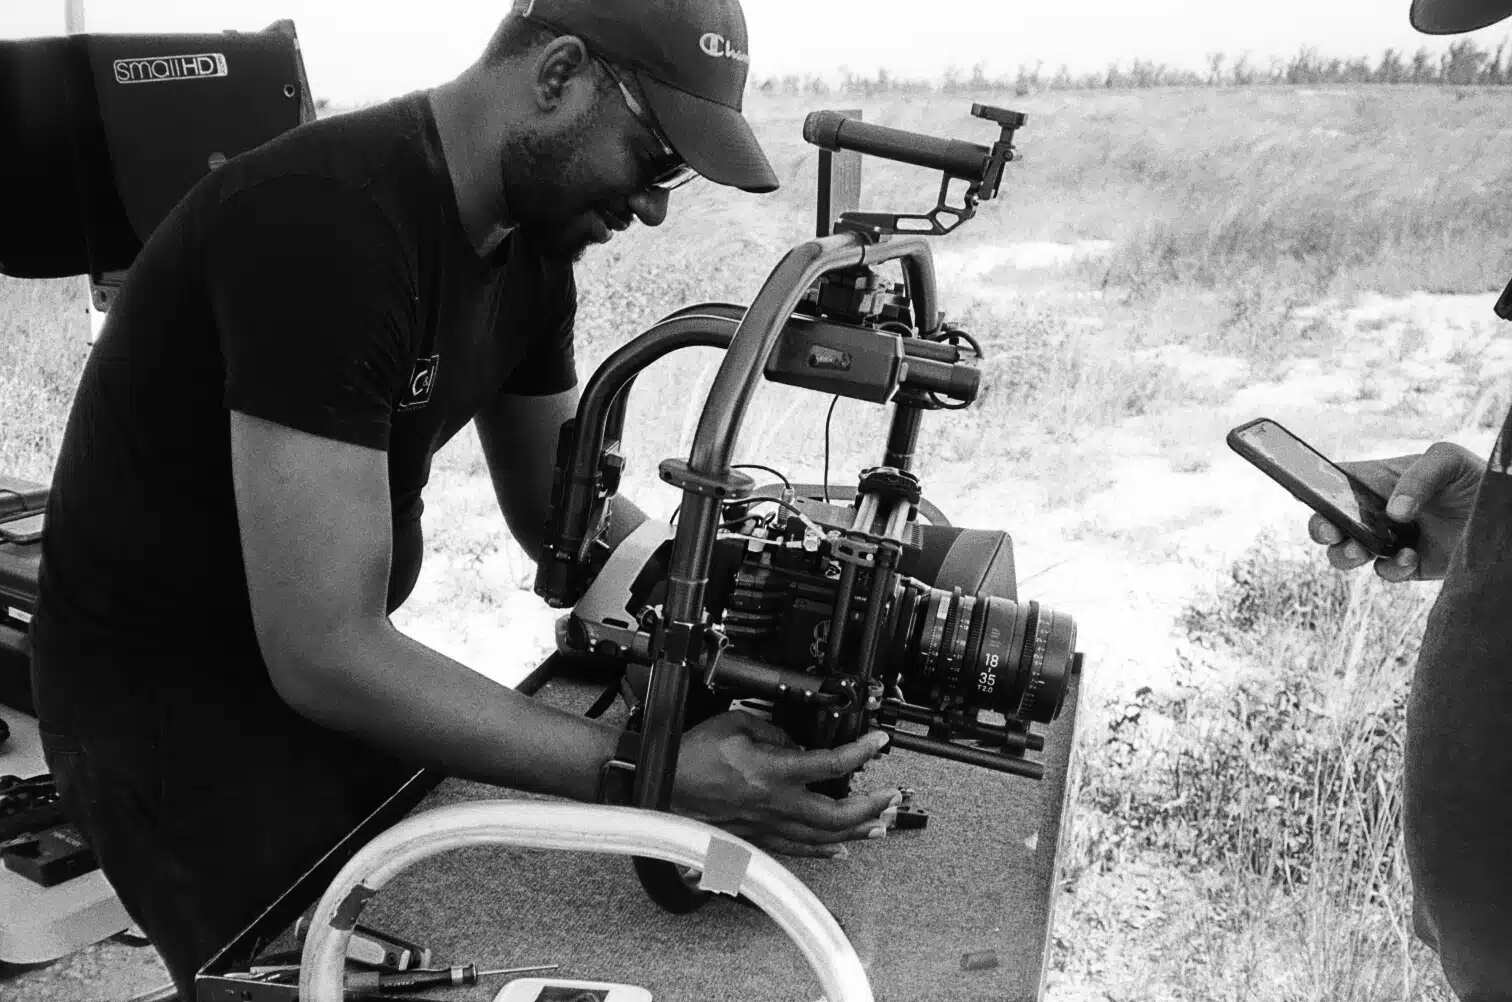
x: 1454, y: 17
x: 716, y: 140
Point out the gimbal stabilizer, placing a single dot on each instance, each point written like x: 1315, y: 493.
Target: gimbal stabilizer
x: 838, y: 620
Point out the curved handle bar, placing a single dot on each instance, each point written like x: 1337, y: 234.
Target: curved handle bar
x: 714, y: 443
x: 621, y: 831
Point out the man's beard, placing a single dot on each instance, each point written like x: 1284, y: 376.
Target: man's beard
x: 544, y: 192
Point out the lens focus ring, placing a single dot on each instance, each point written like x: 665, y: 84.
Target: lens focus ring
x: 985, y: 652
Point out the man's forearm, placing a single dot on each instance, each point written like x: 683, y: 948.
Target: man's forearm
x: 401, y: 696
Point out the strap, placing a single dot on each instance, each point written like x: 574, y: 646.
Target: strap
x: 617, y: 778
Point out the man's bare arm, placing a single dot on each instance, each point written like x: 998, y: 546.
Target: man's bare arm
x: 519, y: 438
x: 317, y: 540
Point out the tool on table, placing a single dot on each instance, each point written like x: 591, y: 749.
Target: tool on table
x: 372, y: 984
x: 376, y: 949
x: 400, y: 982
x: 362, y: 984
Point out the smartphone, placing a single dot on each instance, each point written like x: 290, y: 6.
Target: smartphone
x: 1357, y: 510
x: 552, y: 990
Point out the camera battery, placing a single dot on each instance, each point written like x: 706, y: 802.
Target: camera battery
x: 49, y: 857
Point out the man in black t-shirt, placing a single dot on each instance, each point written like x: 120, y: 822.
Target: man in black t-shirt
x: 236, y: 508
x: 1456, y: 816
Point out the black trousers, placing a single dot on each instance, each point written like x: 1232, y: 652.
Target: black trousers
x: 202, y: 794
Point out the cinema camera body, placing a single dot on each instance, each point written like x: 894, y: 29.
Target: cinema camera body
x: 832, y: 611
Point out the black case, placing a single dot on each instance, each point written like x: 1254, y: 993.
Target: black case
x: 100, y: 136
x: 18, y: 592
x: 103, y: 134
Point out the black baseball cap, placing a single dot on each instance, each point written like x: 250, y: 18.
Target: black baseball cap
x: 1453, y: 17
x: 691, y: 59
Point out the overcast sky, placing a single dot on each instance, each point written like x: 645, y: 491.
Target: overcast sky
x: 357, y: 51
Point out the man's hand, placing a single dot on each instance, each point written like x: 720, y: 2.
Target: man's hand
x: 1436, y: 490
x: 747, y: 776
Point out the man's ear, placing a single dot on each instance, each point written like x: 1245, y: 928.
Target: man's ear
x: 562, y: 65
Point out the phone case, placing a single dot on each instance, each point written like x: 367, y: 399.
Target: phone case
x: 1393, y: 536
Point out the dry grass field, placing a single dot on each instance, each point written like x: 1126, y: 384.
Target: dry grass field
x: 1160, y: 266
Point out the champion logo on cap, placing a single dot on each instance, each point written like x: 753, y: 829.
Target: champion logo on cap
x: 715, y: 44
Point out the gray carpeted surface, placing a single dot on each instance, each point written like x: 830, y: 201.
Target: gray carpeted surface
x: 978, y: 877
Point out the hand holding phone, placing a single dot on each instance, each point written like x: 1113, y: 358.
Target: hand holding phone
x: 1345, y: 501
x: 1437, y: 489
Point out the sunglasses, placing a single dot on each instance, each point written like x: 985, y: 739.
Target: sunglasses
x: 676, y: 171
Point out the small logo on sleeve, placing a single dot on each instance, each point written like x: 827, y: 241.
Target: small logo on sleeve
x: 421, y: 382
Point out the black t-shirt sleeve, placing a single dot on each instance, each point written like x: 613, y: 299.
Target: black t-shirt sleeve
x: 551, y: 365
x: 313, y: 299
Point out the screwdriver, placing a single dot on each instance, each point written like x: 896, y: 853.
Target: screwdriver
x: 423, y: 978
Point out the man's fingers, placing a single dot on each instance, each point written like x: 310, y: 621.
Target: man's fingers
x: 873, y: 827
x: 829, y: 763
x: 1321, y: 530
x: 799, y: 834
x: 1402, y: 567
x: 805, y: 814
x: 1442, y: 468
x: 1348, y: 555
x: 1403, y: 507
x: 797, y: 840
x: 787, y: 847
x: 826, y: 814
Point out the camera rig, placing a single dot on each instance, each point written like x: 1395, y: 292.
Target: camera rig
x: 831, y: 619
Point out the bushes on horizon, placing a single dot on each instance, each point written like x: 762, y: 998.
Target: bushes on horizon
x: 1462, y: 64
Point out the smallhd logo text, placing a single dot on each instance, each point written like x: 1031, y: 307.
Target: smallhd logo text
x: 161, y: 69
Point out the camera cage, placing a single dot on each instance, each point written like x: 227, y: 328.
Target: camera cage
x: 824, y: 320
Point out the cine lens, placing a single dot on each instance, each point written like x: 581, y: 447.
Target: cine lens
x: 984, y: 652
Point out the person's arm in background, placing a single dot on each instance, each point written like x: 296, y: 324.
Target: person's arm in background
x: 1457, y: 763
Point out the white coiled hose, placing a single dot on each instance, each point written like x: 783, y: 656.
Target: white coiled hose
x: 728, y: 864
